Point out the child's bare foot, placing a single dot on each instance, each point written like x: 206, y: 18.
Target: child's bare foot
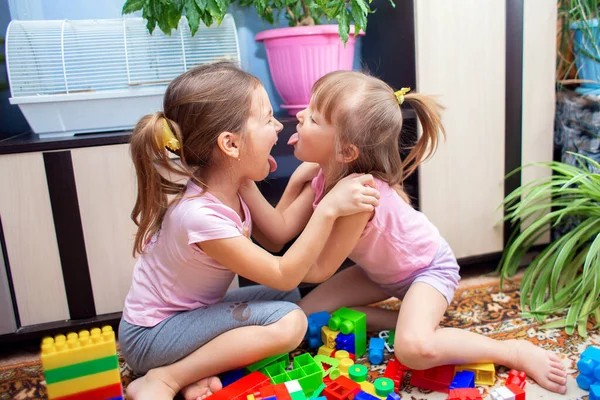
x: 149, y: 387
x: 202, y: 389
x: 541, y: 365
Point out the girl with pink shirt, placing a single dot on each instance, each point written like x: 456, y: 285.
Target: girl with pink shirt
x: 352, y: 125
x: 181, y: 326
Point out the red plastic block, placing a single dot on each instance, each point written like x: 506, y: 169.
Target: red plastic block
x: 516, y: 378
x: 464, y: 394
x: 101, y: 393
x: 437, y: 379
x: 341, y: 389
x: 517, y: 391
x: 395, y: 371
x: 240, y: 389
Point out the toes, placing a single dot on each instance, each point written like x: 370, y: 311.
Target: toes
x: 556, y: 387
x: 553, y: 357
x: 558, y: 365
x: 560, y: 379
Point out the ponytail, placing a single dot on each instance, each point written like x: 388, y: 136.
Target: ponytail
x: 429, y: 114
x: 151, y: 161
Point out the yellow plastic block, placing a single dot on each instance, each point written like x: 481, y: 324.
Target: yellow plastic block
x: 325, y: 351
x: 485, y: 373
x: 368, y: 387
x: 84, y: 383
x: 250, y: 397
x: 345, y: 364
x: 62, y: 350
x: 328, y: 337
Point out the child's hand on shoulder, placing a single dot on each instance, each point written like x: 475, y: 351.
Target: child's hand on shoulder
x: 305, y: 172
x: 351, y: 195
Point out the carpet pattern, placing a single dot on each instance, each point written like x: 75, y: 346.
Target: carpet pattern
x: 480, y: 308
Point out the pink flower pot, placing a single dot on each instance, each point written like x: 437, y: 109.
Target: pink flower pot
x: 300, y: 55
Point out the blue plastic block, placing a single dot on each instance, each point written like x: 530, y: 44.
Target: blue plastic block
x: 319, y: 398
x: 589, y: 368
x: 232, y: 376
x: 376, y: 346
x: 463, y: 380
x: 313, y: 334
x: 365, y: 396
x: 345, y: 342
x: 594, y: 392
x: 393, y: 396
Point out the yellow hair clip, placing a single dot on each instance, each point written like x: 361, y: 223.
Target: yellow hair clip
x: 168, y: 139
x: 400, y: 94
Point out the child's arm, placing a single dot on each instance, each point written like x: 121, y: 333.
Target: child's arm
x: 277, y: 226
x: 340, y: 243
x: 284, y: 273
x: 302, y: 176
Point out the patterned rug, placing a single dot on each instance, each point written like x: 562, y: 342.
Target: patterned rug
x: 480, y: 308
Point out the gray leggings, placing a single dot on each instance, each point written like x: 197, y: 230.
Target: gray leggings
x: 180, y: 335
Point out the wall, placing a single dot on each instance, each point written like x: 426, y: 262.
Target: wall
x: 253, y: 56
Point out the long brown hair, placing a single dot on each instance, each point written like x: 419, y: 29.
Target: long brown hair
x: 198, y: 106
x: 366, y: 113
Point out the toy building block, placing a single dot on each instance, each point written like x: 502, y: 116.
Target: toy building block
x: 485, y: 373
x: 240, y: 389
x: 358, y: 373
x: 350, y: 321
x: 82, y: 366
x: 345, y: 342
x: 317, y: 393
x: 326, y: 351
x: 328, y: 336
x: 231, y: 376
x: 393, y: 396
x: 306, y: 371
x: 463, y: 379
x: 272, y: 392
x: 344, y: 366
x: 295, y: 390
x: 326, y: 363
x: 365, y: 396
x: 589, y: 368
x: 464, y: 394
x: 594, y: 392
x: 341, y: 389
x: 282, y: 359
x: 376, y: 346
x: 383, y: 387
x: 395, y: 371
x: 437, y: 379
x: 339, y: 354
x: 316, y: 321
x: 516, y: 378
x: 508, y: 392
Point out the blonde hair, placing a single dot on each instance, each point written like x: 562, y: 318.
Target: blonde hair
x: 198, y: 106
x: 366, y: 113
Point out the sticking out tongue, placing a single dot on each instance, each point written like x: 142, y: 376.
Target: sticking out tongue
x: 293, y: 139
x: 272, y: 164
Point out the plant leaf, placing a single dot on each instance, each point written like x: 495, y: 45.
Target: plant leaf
x: 132, y: 6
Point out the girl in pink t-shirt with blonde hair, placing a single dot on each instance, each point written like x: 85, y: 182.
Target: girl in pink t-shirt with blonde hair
x: 181, y: 325
x: 352, y: 125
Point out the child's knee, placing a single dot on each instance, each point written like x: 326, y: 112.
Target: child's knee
x: 290, y: 329
x: 415, y: 350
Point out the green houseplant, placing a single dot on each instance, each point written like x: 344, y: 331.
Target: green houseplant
x: 565, y: 276
x: 167, y: 13
x: 298, y: 55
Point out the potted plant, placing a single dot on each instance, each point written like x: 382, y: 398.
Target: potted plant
x: 579, y: 44
x: 565, y: 276
x: 298, y: 55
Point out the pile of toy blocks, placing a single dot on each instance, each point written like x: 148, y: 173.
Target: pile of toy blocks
x: 82, y: 366
x: 589, y: 372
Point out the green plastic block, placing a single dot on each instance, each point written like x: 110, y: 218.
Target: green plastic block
x: 318, y: 392
x: 283, y: 359
x: 350, y: 321
x: 383, y: 386
x: 391, y: 336
x: 309, y: 373
x: 298, y: 396
x: 358, y: 373
x: 82, y: 369
x: 332, y: 362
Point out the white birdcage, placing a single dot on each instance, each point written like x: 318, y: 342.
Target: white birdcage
x: 103, y: 75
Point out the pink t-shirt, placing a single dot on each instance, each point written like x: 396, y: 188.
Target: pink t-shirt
x: 173, y: 274
x: 397, y: 241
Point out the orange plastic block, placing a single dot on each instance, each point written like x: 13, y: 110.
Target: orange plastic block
x: 437, y: 379
x: 240, y: 389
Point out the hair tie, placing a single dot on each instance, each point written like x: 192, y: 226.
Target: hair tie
x: 167, y: 137
x: 400, y: 94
